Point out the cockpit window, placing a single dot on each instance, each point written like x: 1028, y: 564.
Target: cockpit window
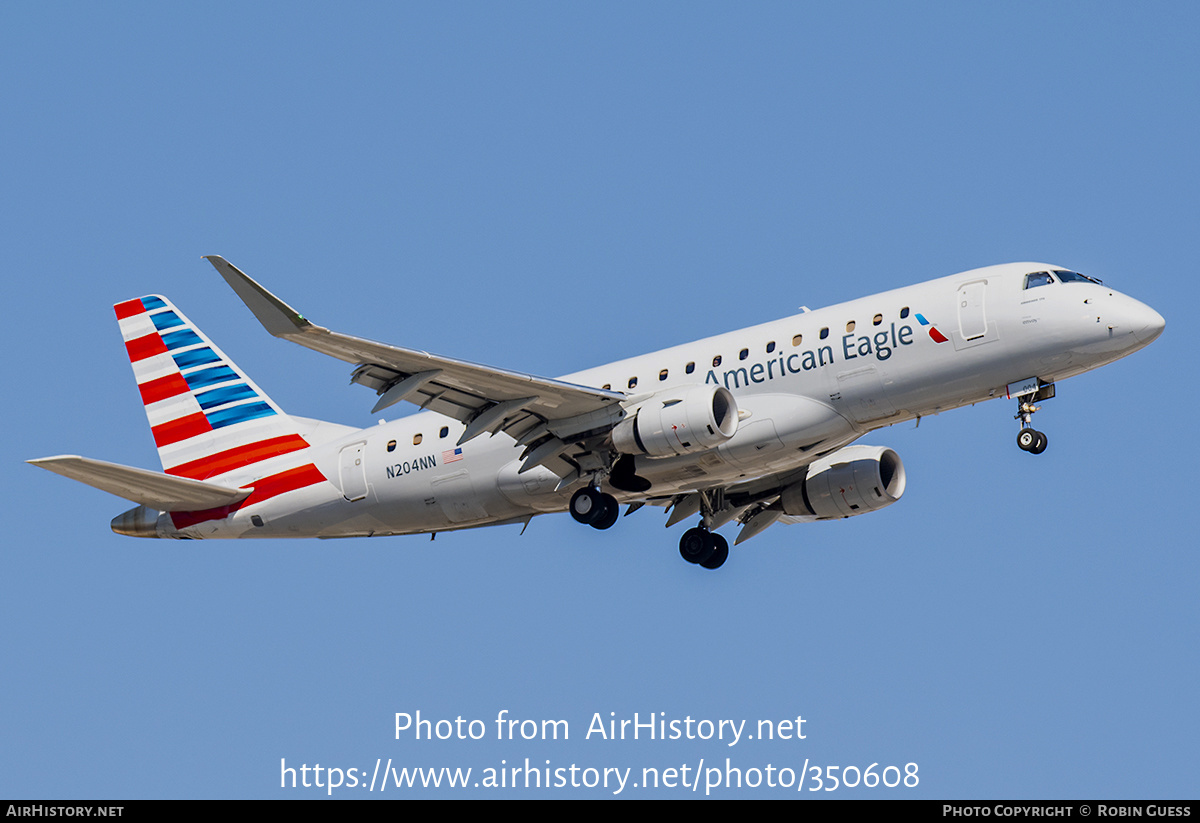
x: 1075, y: 277
x: 1038, y: 278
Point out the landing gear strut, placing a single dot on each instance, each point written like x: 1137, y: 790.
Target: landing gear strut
x: 594, y: 508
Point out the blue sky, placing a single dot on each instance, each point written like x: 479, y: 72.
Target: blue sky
x: 547, y: 187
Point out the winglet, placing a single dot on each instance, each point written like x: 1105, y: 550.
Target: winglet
x: 277, y: 317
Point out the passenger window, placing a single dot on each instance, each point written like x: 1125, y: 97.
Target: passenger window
x: 632, y: 382
x: 391, y: 445
x: 797, y: 339
x: 689, y: 368
x: 824, y: 332
x: 716, y: 361
x: 904, y: 312
x: 877, y: 319
x: 743, y: 354
x: 607, y: 387
x: 1038, y: 278
x: 662, y: 375
x: 850, y: 327
x: 445, y: 431
x: 771, y: 347
x: 416, y: 439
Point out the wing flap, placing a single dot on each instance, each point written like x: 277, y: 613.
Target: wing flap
x: 149, y: 488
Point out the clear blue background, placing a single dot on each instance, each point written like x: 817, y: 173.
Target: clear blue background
x: 547, y: 187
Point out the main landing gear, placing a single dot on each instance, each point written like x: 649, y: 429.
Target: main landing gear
x: 702, y: 547
x: 594, y: 508
x: 599, y: 510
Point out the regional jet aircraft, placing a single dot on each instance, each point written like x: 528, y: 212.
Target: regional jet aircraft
x: 754, y: 426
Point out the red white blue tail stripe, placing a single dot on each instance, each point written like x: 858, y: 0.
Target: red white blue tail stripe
x: 208, y: 418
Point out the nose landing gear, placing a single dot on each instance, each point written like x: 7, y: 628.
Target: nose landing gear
x: 1032, y: 441
x: 1029, y: 439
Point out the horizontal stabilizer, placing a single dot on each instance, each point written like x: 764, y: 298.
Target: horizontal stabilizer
x: 154, y: 489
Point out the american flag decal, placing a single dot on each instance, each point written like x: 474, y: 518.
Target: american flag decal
x: 451, y: 456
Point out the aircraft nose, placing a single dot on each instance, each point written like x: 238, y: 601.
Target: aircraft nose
x: 1145, y: 322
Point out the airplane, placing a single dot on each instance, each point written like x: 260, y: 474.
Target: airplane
x: 754, y: 426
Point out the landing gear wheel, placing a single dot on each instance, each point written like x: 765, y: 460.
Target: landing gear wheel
x: 1040, y: 446
x: 610, y: 510
x: 587, y: 505
x: 697, y: 545
x: 720, y: 553
x: 1030, y: 439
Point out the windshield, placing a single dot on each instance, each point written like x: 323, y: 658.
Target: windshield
x: 1038, y: 278
x: 1075, y: 277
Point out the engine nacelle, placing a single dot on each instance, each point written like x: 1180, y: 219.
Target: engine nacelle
x: 679, y: 421
x: 853, y: 480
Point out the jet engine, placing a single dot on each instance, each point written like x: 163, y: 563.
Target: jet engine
x: 679, y: 421
x: 853, y: 480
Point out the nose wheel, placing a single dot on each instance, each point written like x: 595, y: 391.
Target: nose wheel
x: 1029, y: 439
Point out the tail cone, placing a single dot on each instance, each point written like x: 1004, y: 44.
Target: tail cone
x: 137, y: 522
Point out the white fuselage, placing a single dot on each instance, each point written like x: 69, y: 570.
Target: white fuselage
x: 804, y: 385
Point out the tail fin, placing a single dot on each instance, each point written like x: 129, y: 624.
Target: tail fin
x: 207, y: 417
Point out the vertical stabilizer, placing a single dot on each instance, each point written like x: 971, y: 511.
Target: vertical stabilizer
x: 207, y: 417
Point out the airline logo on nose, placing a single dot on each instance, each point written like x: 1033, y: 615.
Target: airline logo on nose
x: 936, y: 335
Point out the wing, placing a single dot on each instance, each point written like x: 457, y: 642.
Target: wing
x: 543, y: 414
